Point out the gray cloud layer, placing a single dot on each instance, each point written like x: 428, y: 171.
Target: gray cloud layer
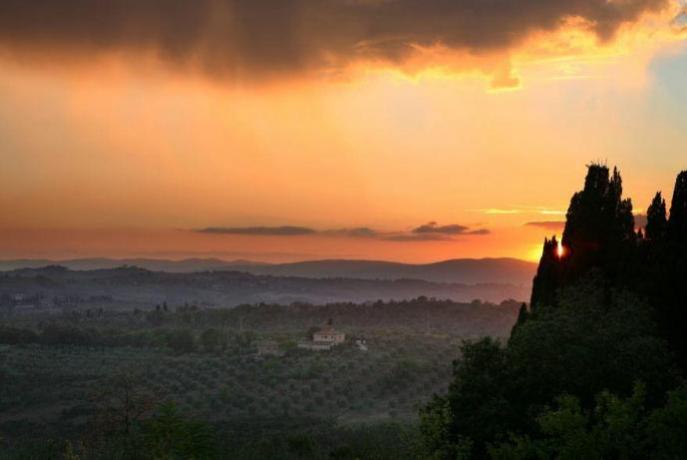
x: 427, y: 232
x: 260, y: 231
x: 254, y: 38
x: 432, y: 228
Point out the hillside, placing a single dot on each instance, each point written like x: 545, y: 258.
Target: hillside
x: 463, y: 271
x: 130, y: 287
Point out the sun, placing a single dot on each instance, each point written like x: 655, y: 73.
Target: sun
x: 560, y: 250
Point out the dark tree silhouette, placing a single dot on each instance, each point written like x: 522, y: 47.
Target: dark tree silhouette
x: 549, y: 276
x: 600, y: 235
x: 656, y: 219
x: 670, y: 293
x: 678, y: 210
x: 608, y: 310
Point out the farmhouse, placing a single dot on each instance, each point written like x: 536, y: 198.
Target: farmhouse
x: 329, y: 335
x: 324, y: 338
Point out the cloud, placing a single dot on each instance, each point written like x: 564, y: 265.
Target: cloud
x: 680, y: 20
x: 428, y: 232
x: 479, y: 231
x: 548, y: 224
x: 251, y: 39
x: 432, y: 228
x: 411, y: 237
x: 356, y: 232
x: 498, y: 211
x: 260, y: 231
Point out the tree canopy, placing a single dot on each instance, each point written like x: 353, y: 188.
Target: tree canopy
x: 593, y: 369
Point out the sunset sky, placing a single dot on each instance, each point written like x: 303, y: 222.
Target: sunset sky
x: 285, y: 130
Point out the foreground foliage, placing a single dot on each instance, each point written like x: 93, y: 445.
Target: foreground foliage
x: 588, y: 346
x: 614, y: 428
x: 594, y: 368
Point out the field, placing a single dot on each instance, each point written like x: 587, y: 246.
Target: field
x: 208, y: 363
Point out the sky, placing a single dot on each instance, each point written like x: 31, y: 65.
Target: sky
x: 277, y: 131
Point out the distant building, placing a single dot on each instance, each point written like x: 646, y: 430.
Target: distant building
x: 324, y: 339
x: 329, y: 335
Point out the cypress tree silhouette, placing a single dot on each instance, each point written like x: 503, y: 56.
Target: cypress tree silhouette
x: 671, y: 298
x: 656, y: 219
x: 678, y: 210
x: 549, y: 277
x: 600, y: 235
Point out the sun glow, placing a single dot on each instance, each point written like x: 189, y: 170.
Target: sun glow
x: 560, y: 250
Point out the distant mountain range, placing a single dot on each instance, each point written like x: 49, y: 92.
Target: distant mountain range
x: 133, y: 287
x: 464, y: 271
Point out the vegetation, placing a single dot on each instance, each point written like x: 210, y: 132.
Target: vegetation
x: 600, y: 235
x: 174, y: 380
x: 594, y: 368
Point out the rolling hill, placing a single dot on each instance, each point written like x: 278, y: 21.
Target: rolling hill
x: 464, y: 271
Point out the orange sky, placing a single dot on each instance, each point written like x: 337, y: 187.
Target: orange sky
x: 120, y: 154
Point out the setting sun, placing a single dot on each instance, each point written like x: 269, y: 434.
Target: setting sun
x: 560, y: 250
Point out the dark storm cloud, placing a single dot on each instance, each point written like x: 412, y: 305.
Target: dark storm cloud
x: 251, y: 38
x: 428, y: 232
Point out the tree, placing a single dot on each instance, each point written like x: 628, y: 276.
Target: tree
x: 600, y: 236
x: 594, y: 340
x: 666, y: 427
x: 678, y: 209
x: 588, y: 336
x: 477, y: 408
x: 599, y: 233
x: 123, y: 403
x: 169, y: 435
x: 597, y: 338
x: 656, y: 219
x: 616, y: 427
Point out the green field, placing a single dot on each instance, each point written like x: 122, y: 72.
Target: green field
x: 57, y: 369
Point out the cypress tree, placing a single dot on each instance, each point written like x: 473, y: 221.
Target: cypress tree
x: 656, y: 219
